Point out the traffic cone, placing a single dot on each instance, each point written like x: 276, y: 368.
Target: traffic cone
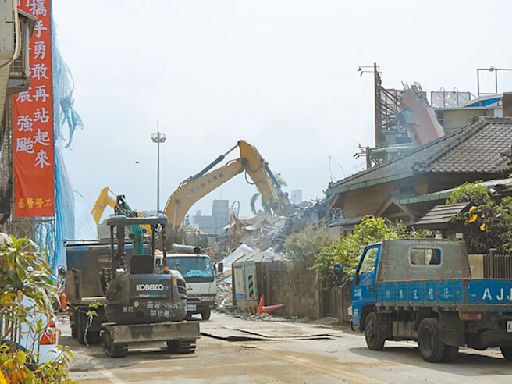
x: 63, y: 299
x: 260, y: 305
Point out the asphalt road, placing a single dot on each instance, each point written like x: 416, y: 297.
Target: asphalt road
x: 233, y: 350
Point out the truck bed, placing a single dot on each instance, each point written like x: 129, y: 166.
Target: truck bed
x: 458, y: 294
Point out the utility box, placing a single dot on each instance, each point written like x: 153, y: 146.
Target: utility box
x: 245, y: 285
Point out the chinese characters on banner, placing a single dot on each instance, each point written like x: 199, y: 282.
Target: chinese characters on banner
x: 32, y: 121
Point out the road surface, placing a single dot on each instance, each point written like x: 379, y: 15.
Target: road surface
x: 233, y: 350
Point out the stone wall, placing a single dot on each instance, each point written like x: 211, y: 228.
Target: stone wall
x: 297, y: 287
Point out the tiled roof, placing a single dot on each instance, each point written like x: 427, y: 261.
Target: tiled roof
x: 440, y: 216
x: 478, y: 148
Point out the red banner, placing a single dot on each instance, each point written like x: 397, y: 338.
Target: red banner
x: 33, y: 144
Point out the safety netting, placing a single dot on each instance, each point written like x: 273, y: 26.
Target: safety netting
x: 72, y: 220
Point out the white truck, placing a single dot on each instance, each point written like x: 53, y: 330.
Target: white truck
x: 200, y: 276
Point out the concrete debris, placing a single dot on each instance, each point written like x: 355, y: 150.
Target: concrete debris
x: 417, y: 116
x: 260, y: 239
x: 265, y: 231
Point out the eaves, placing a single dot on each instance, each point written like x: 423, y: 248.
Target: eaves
x: 337, y: 189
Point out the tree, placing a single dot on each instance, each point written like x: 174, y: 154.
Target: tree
x: 304, y: 246
x: 347, y: 251
x: 488, y: 222
x: 25, y: 273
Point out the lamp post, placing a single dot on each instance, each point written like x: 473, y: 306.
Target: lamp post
x: 158, y: 138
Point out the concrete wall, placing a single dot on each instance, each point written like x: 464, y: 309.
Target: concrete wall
x: 297, y: 287
x: 454, y: 119
x: 6, y: 48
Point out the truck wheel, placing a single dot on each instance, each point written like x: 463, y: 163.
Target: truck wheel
x: 205, y: 315
x: 181, y: 346
x: 111, y: 349
x: 506, y: 352
x: 450, y: 353
x: 431, y: 348
x: 81, y: 323
x: 372, y: 333
x: 93, y: 337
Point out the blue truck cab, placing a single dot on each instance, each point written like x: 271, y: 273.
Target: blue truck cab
x: 423, y: 290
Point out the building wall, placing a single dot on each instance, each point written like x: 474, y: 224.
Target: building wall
x: 365, y: 201
x: 6, y: 48
x: 370, y: 200
x: 215, y: 222
x: 458, y: 118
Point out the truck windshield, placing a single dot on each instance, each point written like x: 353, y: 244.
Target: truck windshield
x: 194, y: 269
x: 369, y: 260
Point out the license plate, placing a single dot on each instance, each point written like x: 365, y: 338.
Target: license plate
x: 192, y: 307
x: 509, y: 326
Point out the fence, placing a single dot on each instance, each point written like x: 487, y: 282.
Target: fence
x: 498, y: 265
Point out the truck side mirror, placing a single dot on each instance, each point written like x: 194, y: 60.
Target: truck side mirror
x: 220, y: 267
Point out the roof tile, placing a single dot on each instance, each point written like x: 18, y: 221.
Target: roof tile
x: 478, y: 148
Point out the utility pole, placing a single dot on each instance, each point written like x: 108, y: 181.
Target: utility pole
x: 158, y: 138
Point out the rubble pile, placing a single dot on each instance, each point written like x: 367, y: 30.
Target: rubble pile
x: 259, y: 239
x: 260, y: 231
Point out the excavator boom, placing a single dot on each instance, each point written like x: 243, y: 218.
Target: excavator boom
x: 192, y: 191
x: 196, y: 187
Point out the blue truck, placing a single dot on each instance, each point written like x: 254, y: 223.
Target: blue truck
x: 423, y: 290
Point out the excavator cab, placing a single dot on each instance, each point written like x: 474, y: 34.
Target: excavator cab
x: 142, y: 259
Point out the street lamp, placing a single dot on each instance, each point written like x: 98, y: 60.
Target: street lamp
x: 158, y: 138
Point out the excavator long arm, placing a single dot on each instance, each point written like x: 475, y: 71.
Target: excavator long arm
x: 199, y: 185
x: 192, y: 191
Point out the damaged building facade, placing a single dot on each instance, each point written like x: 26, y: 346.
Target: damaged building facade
x: 402, y: 188
x: 422, y: 148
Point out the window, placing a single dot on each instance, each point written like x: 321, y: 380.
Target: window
x: 425, y: 256
x: 369, y: 260
x: 193, y: 269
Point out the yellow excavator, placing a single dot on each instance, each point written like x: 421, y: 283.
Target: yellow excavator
x: 196, y: 187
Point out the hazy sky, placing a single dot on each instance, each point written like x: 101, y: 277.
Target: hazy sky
x: 281, y: 74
